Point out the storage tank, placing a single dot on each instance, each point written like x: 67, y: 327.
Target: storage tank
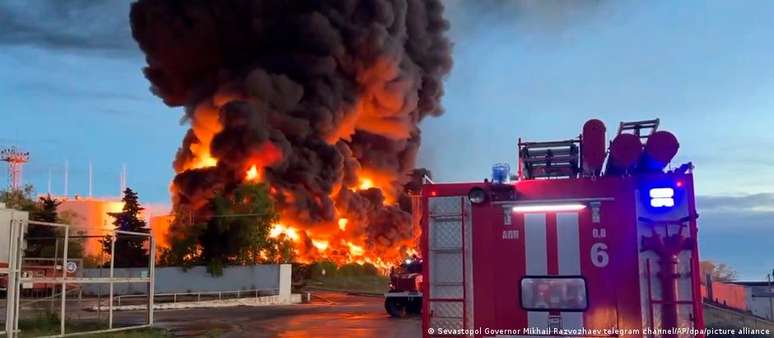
x: 660, y: 148
x: 625, y: 152
x: 593, y: 147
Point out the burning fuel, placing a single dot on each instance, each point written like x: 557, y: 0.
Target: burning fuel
x: 319, y: 99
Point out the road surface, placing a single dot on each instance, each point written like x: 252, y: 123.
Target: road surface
x: 333, y: 315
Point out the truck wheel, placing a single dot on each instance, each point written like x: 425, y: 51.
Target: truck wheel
x: 414, y: 307
x: 395, y: 307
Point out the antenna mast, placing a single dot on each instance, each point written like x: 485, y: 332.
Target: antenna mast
x: 91, y: 179
x: 123, y: 179
x: 66, y: 177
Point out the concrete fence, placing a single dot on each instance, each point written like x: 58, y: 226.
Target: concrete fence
x: 273, y: 278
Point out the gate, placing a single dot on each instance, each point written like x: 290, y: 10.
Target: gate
x: 60, y: 277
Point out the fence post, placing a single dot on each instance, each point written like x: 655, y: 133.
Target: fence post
x: 112, y: 266
x: 11, y: 315
x: 62, y: 316
x: 151, y: 277
x: 284, y: 283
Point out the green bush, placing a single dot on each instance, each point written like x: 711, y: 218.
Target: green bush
x: 316, y: 269
x: 351, y: 269
x: 370, y: 269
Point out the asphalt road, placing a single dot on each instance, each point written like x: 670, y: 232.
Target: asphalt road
x: 333, y: 315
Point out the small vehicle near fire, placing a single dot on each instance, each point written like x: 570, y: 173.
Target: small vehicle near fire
x: 404, y: 296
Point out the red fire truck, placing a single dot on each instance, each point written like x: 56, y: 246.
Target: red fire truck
x: 585, y: 241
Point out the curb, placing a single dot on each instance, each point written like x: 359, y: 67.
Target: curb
x: 348, y: 292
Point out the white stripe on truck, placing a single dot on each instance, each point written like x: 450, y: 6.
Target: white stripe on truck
x: 535, y: 258
x: 568, y: 245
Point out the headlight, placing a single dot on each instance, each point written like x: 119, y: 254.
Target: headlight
x: 477, y: 196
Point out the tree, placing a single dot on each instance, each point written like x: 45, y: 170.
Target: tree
x: 19, y: 199
x: 41, y: 239
x: 129, y: 249
x: 236, y: 233
x: 240, y: 228
x: 47, y: 212
x: 719, y: 272
x: 277, y: 250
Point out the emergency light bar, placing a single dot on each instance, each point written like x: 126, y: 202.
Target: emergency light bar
x: 662, y: 197
x: 549, y: 207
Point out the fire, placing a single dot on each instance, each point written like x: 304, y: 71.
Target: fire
x: 369, y: 178
x: 252, y: 174
x: 355, y: 250
x: 343, y: 240
x: 366, y: 184
x: 334, y: 137
x: 320, y: 244
x: 280, y: 229
x: 205, y: 160
x: 205, y: 125
x: 268, y: 154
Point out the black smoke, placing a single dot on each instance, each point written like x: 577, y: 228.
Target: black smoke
x: 337, y: 87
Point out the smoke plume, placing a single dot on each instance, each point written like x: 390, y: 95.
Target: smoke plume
x: 323, y: 98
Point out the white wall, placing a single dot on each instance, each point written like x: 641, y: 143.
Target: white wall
x: 6, y: 215
x: 197, y: 279
x: 760, y: 306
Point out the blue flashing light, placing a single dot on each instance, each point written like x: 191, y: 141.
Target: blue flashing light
x: 501, y: 173
x: 662, y: 197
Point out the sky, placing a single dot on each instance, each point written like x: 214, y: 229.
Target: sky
x: 71, y: 89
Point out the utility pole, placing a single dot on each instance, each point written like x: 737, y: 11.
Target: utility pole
x: 123, y: 179
x: 91, y: 179
x: 66, y: 177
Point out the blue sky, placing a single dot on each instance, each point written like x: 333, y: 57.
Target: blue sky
x: 71, y: 89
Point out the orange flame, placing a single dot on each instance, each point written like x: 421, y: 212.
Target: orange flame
x: 366, y: 183
x: 344, y: 240
x: 252, y: 174
x: 268, y: 154
x: 355, y: 250
x: 280, y: 229
x: 320, y: 244
x: 205, y: 124
x: 343, y: 224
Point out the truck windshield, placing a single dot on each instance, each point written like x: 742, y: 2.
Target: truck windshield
x: 549, y: 293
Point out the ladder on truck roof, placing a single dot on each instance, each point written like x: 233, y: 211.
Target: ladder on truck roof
x: 552, y: 159
x: 637, y: 128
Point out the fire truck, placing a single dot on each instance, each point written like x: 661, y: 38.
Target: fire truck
x: 404, y: 295
x: 588, y: 239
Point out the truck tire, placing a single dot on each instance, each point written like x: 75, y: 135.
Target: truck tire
x: 414, y: 307
x: 395, y: 307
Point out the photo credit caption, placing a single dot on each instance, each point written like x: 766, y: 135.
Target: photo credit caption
x: 590, y: 332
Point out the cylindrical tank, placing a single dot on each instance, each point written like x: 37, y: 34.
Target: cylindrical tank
x: 659, y: 150
x: 625, y: 152
x: 593, y: 147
